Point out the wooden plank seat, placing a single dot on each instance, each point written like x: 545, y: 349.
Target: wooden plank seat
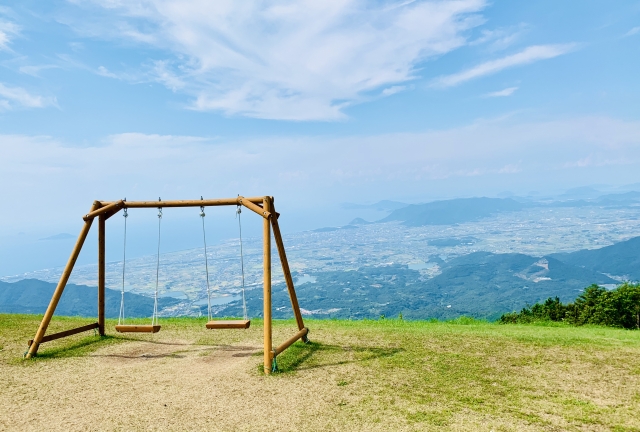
x: 228, y: 324
x: 137, y: 328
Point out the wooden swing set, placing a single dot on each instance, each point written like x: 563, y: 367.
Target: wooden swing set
x: 103, y: 210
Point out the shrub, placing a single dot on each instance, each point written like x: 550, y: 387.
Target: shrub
x: 619, y: 307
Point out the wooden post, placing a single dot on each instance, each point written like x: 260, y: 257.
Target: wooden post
x: 266, y: 232
x: 101, y: 272
x: 46, y: 319
x: 287, y: 272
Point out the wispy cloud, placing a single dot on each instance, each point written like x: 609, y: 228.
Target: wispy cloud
x: 502, y: 93
x: 34, y: 70
x: 7, y: 31
x: 633, y: 31
x: 392, y: 90
x: 501, y: 38
x: 103, y: 71
x: 285, y: 59
x: 528, y: 55
x: 19, y: 97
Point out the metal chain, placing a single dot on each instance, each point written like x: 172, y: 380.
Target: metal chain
x: 206, y: 259
x: 244, y: 301
x: 124, y: 260
x: 154, y: 318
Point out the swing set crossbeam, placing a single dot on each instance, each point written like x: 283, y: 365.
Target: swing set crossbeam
x: 103, y: 210
x: 110, y: 207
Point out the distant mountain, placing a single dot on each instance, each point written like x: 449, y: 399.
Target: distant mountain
x: 607, y: 200
x: 384, y: 205
x: 359, y: 221
x: 452, y: 211
x: 462, y: 210
x: 33, y: 296
x: 631, y: 195
x: 482, y: 285
x: 581, y: 193
x: 621, y: 259
x: 621, y: 198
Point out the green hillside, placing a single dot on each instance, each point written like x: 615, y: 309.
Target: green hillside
x: 354, y: 375
x: 620, y: 259
x: 480, y: 285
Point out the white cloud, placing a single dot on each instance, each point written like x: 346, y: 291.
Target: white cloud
x: 633, y: 31
x: 7, y: 30
x: 502, y: 93
x: 501, y: 38
x: 528, y: 55
x: 103, y: 71
x: 295, y: 60
x: 34, y: 70
x: 315, y: 171
x: 392, y: 90
x: 17, y: 96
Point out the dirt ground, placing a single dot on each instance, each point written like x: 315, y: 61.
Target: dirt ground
x: 165, y: 382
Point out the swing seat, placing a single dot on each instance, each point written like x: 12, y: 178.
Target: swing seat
x: 228, y: 324
x: 137, y: 328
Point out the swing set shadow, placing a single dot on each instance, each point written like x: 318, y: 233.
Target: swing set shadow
x: 315, y: 355
x: 103, y: 210
x: 80, y: 348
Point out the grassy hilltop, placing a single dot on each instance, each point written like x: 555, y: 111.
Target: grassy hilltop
x: 354, y: 375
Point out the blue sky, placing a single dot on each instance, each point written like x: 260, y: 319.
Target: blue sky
x: 317, y: 103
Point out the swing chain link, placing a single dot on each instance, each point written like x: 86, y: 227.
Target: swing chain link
x: 202, y: 208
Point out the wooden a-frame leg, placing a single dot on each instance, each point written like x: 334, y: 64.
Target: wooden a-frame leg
x: 287, y: 272
x: 46, y: 319
x: 266, y: 257
x: 101, y: 272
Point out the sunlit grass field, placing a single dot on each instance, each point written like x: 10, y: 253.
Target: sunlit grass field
x: 391, y: 374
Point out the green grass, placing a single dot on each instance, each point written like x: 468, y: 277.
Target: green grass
x: 459, y: 374
x: 439, y: 372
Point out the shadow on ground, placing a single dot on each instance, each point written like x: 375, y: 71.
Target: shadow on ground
x: 314, y: 355
x: 79, y: 348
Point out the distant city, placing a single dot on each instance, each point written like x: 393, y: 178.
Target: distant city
x: 533, y: 228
